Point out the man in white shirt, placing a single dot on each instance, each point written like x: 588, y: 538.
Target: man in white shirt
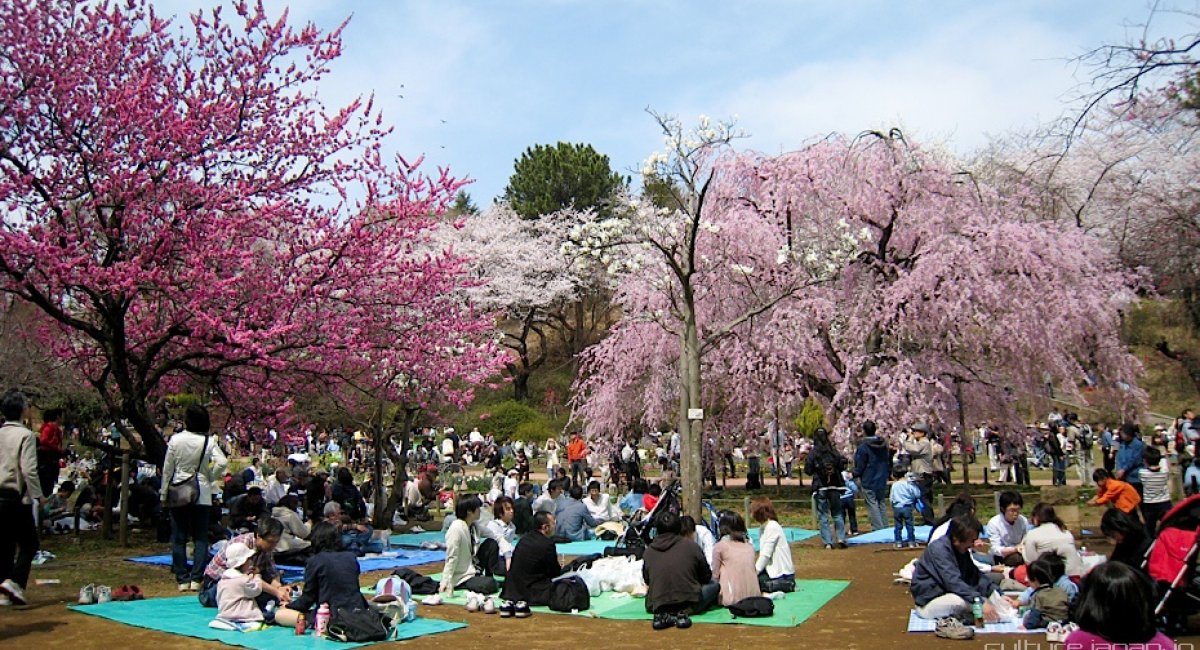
x: 502, y: 529
x: 1007, y: 529
x: 599, y: 505
x: 277, y: 487
x: 511, y: 483
x: 550, y: 499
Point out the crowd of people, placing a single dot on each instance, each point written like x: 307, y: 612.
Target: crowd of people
x: 237, y: 525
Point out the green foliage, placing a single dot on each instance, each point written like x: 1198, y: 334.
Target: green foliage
x: 502, y: 419
x: 662, y: 193
x: 478, y: 485
x: 810, y: 419
x: 535, y: 431
x: 463, y: 205
x: 548, y: 178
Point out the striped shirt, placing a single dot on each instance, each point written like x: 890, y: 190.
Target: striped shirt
x: 1155, y: 486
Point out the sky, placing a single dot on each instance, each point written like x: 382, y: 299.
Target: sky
x: 472, y: 84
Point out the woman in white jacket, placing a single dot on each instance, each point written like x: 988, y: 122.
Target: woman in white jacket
x: 192, y: 452
x: 774, y: 565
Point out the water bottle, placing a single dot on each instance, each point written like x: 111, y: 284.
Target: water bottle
x: 323, y: 615
x: 977, y: 610
x: 300, y: 624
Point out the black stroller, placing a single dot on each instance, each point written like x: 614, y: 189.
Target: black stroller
x: 640, y: 532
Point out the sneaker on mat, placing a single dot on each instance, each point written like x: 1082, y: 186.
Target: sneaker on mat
x: 508, y: 609
x: 194, y: 586
x: 14, y: 591
x: 416, y: 529
x: 663, y: 621
x: 952, y: 628
x: 683, y: 621
x: 183, y: 586
x: 103, y: 594
x: 435, y: 599
x: 521, y: 610
x: 489, y: 606
x: 87, y: 595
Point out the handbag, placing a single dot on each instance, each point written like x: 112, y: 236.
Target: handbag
x: 187, y: 491
x: 357, y: 625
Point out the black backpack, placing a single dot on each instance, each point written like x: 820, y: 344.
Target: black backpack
x: 420, y: 585
x: 569, y: 594
x: 357, y: 625
x: 753, y: 607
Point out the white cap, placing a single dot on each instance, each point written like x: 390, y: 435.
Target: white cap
x: 236, y: 554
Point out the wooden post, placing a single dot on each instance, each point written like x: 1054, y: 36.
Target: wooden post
x: 123, y: 535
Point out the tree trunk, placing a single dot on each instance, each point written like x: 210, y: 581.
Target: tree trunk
x: 401, y: 462
x: 691, y: 432
x: 520, y: 381
x: 962, y: 432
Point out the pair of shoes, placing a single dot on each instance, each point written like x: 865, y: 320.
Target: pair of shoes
x: 1058, y: 632
x: 683, y: 621
x: 952, y: 628
x: 416, y: 529
x: 663, y: 621
x: 521, y: 609
x: 14, y: 592
x: 435, y: 599
x: 829, y: 547
x: 128, y: 592
x: 87, y: 595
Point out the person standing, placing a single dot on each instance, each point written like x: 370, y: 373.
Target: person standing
x: 825, y: 466
x: 920, y: 454
x: 192, y: 453
x: 1057, y: 454
x: 872, y: 465
x: 1129, y: 456
x: 49, y: 450
x: 577, y: 452
x: 20, y: 490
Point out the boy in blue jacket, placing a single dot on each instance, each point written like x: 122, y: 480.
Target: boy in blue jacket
x: 905, y: 497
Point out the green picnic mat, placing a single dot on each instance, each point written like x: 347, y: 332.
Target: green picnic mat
x: 184, y: 616
x: 790, y: 611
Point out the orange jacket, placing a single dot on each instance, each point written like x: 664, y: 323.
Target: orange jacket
x: 1121, y: 494
x: 576, y: 450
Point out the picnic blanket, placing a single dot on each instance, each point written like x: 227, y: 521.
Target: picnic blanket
x: 918, y: 624
x: 790, y: 611
x: 887, y: 536
x: 184, y: 616
x: 414, y: 540
x: 403, y: 558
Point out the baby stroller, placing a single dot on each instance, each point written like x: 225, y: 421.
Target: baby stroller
x: 639, y: 532
x: 1171, y: 563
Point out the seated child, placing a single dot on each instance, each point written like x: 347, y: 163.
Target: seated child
x: 652, y: 497
x: 1122, y: 495
x: 238, y: 588
x: 1047, y: 603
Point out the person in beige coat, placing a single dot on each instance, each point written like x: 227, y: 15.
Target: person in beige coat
x: 192, y: 452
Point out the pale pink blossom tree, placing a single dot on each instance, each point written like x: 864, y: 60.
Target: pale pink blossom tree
x: 933, y: 282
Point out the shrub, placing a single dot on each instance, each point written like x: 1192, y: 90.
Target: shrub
x: 535, y: 431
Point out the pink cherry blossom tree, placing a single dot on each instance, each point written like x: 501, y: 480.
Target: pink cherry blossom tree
x: 184, y: 207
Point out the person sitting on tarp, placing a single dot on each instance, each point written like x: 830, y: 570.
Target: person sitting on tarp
x: 263, y: 542
x: 330, y: 576
x: 678, y: 579
x: 574, y: 522
x: 248, y: 509
x: 356, y: 537
x: 534, y: 565
x: 946, y: 582
x: 465, y: 554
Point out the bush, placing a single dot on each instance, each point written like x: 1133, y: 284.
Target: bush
x: 503, y: 419
x: 535, y: 431
x: 810, y: 419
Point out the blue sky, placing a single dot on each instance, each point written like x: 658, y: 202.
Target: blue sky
x: 482, y: 80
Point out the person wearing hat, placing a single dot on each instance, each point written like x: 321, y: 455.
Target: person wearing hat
x: 263, y: 542
x: 239, y: 587
x: 920, y: 453
x: 511, y: 483
x: 248, y: 509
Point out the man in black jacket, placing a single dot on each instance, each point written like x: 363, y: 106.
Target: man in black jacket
x: 523, y: 509
x: 534, y: 564
x: 678, y: 577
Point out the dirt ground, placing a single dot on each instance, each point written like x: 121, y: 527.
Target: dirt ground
x: 871, y: 613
